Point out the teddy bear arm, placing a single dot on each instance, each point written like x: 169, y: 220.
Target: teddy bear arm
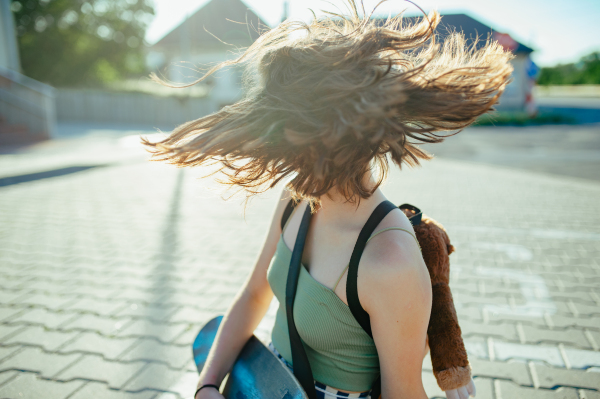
x: 448, y: 353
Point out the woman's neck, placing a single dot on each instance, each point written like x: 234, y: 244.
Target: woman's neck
x: 336, y: 210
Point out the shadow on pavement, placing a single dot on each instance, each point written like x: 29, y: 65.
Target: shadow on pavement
x: 10, y: 180
x: 164, y: 271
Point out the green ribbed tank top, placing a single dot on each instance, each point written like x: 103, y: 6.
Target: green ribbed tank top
x: 341, y: 354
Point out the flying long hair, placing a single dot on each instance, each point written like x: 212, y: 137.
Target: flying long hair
x: 327, y: 101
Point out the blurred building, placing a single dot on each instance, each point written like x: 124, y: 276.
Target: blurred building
x: 9, y: 53
x: 518, y: 94
x: 27, y: 108
x: 200, y: 41
x: 209, y: 36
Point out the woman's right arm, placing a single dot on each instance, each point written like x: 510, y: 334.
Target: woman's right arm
x: 245, y: 313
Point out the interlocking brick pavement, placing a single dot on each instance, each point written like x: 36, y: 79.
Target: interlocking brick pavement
x: 110, y: 348
x: 585, y: 394
x: 95, y: 368
x: 107, y: 274
x: 102, y: 391
x: 48, y: 339
x: 29, y: 385
x: 37, y: 360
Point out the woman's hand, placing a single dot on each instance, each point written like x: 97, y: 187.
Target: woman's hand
x: 209, y: 393
x: 463, y: 392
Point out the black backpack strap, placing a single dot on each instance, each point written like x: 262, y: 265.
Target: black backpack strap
x: 289, y: 208
x: 361, y: 316
x: 301, y: 365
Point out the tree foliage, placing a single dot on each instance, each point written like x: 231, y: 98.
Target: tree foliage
x: 81, y: 42
x: 586, y: 71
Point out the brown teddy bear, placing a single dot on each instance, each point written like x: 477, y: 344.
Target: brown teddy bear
x: 448, y: 354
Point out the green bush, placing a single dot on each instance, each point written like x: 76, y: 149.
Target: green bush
x: 522, y: 119
x: 586, y: 71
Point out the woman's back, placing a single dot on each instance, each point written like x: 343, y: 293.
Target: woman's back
x: 340, y: 352
x: 332, y: 235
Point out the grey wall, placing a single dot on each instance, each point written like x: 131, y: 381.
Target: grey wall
x: 26, y: 103
x: 82, y: 105
x: 9, y: 54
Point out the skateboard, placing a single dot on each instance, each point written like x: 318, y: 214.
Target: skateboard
x: 256, y: 374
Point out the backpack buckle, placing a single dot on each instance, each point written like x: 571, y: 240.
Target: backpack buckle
x: 415, y: 219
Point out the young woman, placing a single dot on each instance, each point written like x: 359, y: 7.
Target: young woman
x: 328, y: 104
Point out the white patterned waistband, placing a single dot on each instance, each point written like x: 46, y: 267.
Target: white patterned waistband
x: 327, y: 391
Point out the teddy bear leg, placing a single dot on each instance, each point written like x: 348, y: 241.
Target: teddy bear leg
x: 448, y: 354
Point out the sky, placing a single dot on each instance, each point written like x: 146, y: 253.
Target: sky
x: 561, y: 31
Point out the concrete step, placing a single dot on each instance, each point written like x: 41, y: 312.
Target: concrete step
x: 17, y: 135
x: 8, y: 129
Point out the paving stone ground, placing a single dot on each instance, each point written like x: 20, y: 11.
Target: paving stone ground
x: 109, y: 265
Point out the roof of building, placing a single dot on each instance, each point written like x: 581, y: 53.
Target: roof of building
x: 473, y: 29
x: 231, y: 21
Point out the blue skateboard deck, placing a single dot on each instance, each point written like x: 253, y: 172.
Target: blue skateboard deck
x: 256, y: 374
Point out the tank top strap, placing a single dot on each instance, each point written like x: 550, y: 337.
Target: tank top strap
x: 395, y: 228
x: 340, y: 277
x: 370, y: 238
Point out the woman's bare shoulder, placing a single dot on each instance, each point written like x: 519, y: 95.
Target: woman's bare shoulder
x: 393, y: 246
x: 284, y: 198
x: 392, y: 262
